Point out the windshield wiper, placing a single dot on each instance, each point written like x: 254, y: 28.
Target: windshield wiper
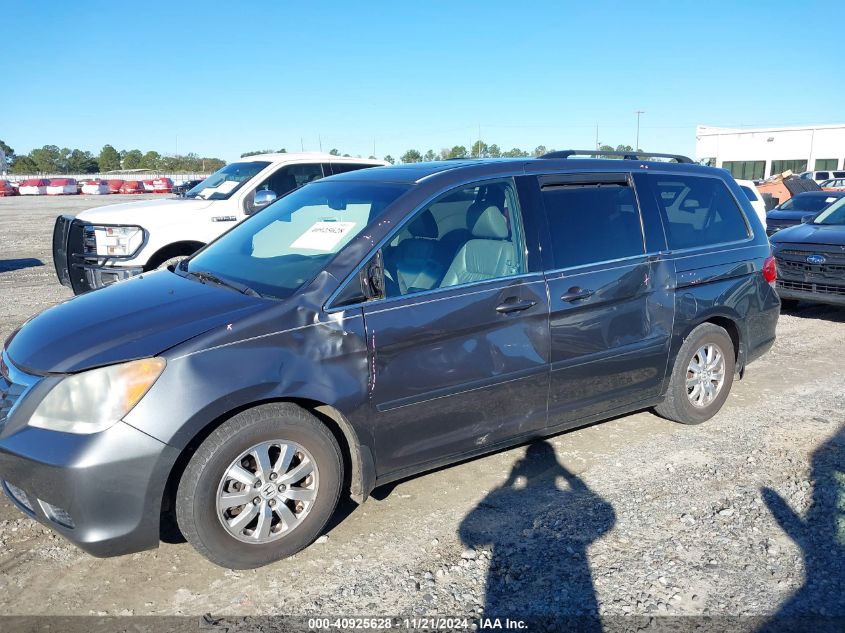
x: 204, y: 277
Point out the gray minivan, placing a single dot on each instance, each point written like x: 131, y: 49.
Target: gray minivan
x: 374, y: 325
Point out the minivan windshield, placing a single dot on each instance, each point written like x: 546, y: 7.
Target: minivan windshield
x: 280, y: 248
x: 833, y: 215
x: 806, y: 203
x: 226, y: 181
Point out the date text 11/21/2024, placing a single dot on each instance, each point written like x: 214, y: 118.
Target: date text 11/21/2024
x: 427, y: 623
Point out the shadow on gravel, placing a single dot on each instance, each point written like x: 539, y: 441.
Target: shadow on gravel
x: 820, y: 311
x: 538, y: 534
x: 8, y: 265
x: 820, y: 604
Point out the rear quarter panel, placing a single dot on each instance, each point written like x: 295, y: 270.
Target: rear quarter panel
x: 723, y: 281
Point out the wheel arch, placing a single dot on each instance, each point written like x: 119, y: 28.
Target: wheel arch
x: 174, y: 249
x: 731, y: 323
x: 732, y: 328
x: 358, y: 463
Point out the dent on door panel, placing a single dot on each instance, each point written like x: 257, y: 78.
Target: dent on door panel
x: 452, y: 375
x: 609, y: 349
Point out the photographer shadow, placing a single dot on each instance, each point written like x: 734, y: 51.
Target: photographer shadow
x: 538, y: 534
x: 819, y: 605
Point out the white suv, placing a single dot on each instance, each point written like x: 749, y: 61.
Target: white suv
x: 820, y: 176
x: 750, y: 190
x: 104, y: 245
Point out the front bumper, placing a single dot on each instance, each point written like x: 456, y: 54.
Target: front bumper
x: 102, y: 492
x: 77, y: 267
x: 816, y: 293
x: 811, y: 272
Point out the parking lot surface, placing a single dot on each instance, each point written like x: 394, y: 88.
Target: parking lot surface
x: 743, y: 515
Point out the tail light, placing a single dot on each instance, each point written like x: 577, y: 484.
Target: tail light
x: 770, y: 269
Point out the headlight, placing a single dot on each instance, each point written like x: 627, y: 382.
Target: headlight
x: 96, y: 399
x: 117, y: 241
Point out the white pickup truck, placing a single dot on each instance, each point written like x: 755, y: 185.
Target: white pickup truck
x: 104, y: 245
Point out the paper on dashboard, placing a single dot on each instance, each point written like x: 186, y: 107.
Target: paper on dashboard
x: 323, y: 236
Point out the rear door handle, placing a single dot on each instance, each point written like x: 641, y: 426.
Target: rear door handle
x: 576, y: 293
x: 512, y: 304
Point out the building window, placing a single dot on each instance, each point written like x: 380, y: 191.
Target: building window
x: 746, y: 169
x: 795, y: 166
x: 826, y: 163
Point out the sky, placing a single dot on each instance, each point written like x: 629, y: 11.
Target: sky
x: 222, y: 78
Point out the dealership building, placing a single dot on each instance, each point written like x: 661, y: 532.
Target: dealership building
x: 756, y: 153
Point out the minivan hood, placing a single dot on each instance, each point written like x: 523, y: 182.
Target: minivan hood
x: 137, y: 318
x: 811, y: 234
x: 140, y: 212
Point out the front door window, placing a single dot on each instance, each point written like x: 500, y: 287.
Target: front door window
x: 469, y: 235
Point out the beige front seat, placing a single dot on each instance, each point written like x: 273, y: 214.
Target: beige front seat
x: 488, y: 254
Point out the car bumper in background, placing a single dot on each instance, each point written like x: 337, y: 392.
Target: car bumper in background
x: 808, y: 291
x: 75, y: 267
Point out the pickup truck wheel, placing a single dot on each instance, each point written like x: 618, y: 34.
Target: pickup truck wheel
x: 261, y: 487
x: 702, y: 376
x: 173, y: 261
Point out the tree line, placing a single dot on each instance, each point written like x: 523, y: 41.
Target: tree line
x: 51, y: 159
x: 479, y: 149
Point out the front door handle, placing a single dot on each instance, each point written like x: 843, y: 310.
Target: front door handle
x: 512, y: 304
x: 576, y: 293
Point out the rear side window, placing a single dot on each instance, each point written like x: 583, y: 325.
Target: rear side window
x: 697, y: 211
x: 592, y: 222
x: 342, y: 168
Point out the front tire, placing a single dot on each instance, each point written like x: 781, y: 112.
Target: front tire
x: 261, y: 487
x: 702, y: 376
x: 173, y: 261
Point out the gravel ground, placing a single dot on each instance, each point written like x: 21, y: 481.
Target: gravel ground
x: 741, y: 516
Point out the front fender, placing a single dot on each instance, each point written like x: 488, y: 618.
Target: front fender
x: 324, y: 362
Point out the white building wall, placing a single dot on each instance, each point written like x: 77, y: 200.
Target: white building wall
x: 768, y: 144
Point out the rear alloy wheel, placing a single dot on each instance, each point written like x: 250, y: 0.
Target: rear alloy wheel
x: 705, y: 375
x: 261, y: 487
x: 702, y: 376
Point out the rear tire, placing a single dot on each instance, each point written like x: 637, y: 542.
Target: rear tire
x: 241, y: 469
x: 702, y: 376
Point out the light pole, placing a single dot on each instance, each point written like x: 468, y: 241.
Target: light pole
x: 638, y: 113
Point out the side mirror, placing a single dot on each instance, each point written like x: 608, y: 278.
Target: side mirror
x: 372, y: 278
x: 263, y: 197
x: 807, y: 219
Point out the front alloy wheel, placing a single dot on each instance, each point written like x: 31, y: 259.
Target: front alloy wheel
x: 267, y: 491
x: 261, y: 487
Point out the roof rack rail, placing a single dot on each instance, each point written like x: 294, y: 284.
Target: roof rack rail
x: 632, y: 155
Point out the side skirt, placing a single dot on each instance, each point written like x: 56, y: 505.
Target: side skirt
x: 456, y: 458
